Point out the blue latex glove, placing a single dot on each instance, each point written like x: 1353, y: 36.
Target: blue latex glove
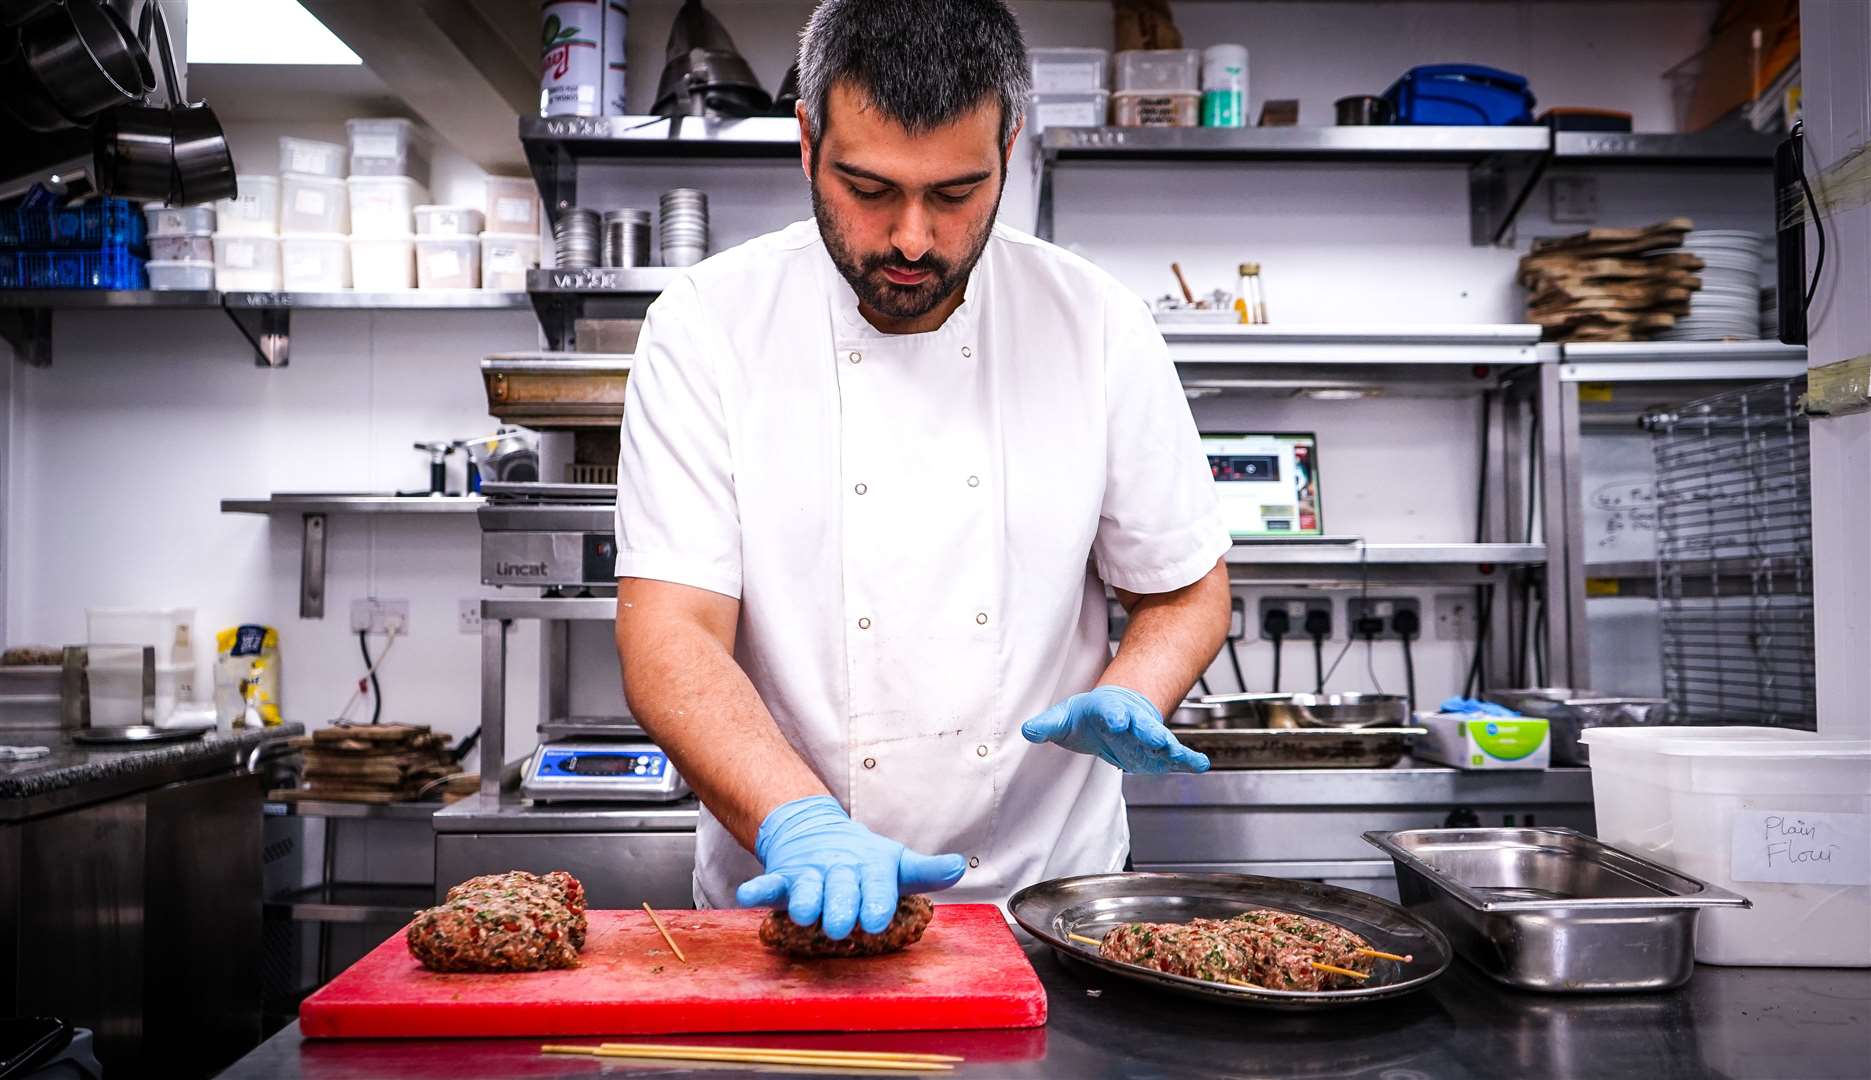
x: 826, y: 865
x: 1119, y: 725
x: 1475, y: 707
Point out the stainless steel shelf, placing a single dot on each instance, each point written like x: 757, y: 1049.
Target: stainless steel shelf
x: 579, y: 608
x: 1663, y: 148
x: 628, y: 137
x: 325, y: 808
x: 1680, y: 361
x: 89, y: 299
x: 405, y: 299
x: 1395, y: 144
x: 1314, y: 553
x: 341, y: 503
x: 359, y: 903
x: 1443, y: 344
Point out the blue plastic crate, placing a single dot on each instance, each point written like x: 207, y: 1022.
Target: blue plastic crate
x: 106, y: 268
x: 104, y: 221
x: 12, y: 268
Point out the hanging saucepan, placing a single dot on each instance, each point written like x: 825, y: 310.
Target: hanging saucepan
x: 134, y: 150
x: 204, y: 166
x: 86, y: 58
x: 176, y: 154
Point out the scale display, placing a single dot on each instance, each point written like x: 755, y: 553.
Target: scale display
x: 601, y: 771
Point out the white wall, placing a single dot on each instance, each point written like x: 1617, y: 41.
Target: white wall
x: 145, y: 420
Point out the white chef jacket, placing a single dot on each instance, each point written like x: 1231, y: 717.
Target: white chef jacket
x: 916, y: 526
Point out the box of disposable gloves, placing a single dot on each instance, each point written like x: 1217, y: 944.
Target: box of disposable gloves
x: 1476, y: 741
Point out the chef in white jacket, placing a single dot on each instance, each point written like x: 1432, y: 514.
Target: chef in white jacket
x: 877, y: 469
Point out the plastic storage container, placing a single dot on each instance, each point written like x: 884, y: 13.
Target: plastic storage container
x: 388, y: 147
x: 159, y: 627
x: 448, y: 262
x: 1224, y: 86
x: 448, y: 221
x: 314, y: 262
x: 313, y: 204
x: 381, y: 263
x: 1088, y: 109
x: 106, y: 268
x: 1156, y: 108
x: 1068, y: 71
x: 311, y: 158
x: 245, y: 263
x: 41, y: 221
x: 117, y: 690
x: 505, y: 259
x: 180, y: 220
x: 1158, y: 69
x: 254, y: 211
x: 384, y: 205
x: 1780, y: 817
x: 165, y: 275
x: 181, y: 249
x: 512, y: 205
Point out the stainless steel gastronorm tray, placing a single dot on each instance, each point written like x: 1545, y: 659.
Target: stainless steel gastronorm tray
x: 1553, y: 909
x: 1300, y: 748
x: 1092, y: 905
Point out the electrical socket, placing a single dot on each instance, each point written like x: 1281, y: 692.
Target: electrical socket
x: 1382, y: 607
x: 1296, y: 608
x: 468, y: 615
x: 1575, y: 198
x: 1455, y: 617
x: 373, y: 616
x: 1237, y: 618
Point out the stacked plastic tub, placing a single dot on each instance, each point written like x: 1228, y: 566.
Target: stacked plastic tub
x: 93, y: 244
x: 1069, y: 88
x: 314, y: 216
x: 246, y: 238
x: 510, y: 244
x: 181, y: 247
x: 388, y: 179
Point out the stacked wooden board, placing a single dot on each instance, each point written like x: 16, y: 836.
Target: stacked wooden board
x: 372, y: 763
x: 1610, y: 284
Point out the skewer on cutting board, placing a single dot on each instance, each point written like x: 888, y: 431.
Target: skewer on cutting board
x: 829, y: 1055
x: 663, y: 930
x: 751, y: 1056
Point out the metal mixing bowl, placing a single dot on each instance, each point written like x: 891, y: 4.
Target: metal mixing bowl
x: 1346, y: 710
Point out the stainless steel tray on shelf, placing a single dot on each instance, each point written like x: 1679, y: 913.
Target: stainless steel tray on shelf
x: 1553, y: 909
x: 1092, y: 905
x: 1301, y: 748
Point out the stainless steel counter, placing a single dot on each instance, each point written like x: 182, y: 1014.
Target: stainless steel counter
x: 625, y: 853
x: 1732, y: 1022
x: 75, y: 774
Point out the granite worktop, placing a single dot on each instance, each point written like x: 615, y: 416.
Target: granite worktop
x: 75, y: 773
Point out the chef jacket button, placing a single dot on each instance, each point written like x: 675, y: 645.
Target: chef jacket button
x: 870, y: 763
x: 864, y: 624
x: 974, y: 481
x: 974, y: 862
x: 860, y: 489
x: 980, y: 751
x: 855, y: 357
x: 966, y: 352
x: 980, y: 618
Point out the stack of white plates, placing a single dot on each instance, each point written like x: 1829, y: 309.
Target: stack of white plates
x: 1728, y: 304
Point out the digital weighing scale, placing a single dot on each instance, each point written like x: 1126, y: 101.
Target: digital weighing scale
x: 601, y: 770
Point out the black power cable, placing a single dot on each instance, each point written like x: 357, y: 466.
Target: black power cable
x: 1798, y: 135
x: 1407, y: 625
x: 376, y: 690
x: 1276, y: 623
x: 1234, y: 659
x: 1318, y: 627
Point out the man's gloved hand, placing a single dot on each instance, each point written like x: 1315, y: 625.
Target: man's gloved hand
x: 823, y: 863
x: 1119, y: 725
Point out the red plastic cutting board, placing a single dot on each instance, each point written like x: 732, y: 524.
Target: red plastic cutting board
x: 967, y: 972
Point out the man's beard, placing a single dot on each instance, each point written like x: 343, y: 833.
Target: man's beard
x: 864, y: 272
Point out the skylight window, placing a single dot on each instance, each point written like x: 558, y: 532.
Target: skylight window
x: 260, y: 32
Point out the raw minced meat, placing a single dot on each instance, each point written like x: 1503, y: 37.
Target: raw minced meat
x: 503, y: 922
x: 906, y: 928
x: 1274, y: 950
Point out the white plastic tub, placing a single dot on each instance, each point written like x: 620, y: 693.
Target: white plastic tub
x: 313, y: 204
x: 117, y: 690
x: 160, y: 627
x: 448, y: 262
x: 1780, y: 817
x: 314, y: 262
x: 1068, y: 71
x: 384, y: 205
x: 252, y: 212
x: 311, y: 157
x: 388, y: 147
x: 246, y: 263
x: 167, y: 276
x: 179, y: 220
x: 512, y: 205
x: 1088, y: 109
x: 448, y: 221
x: 505, y: 259
x: 181, y: 249
x: 382, y: 263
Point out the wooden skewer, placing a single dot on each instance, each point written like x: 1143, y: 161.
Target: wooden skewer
x: 750, y: 1057
x: 1083, y: 940
x: 1387, y: 956
x: 828, y: 1055
x: 663, y: 930
x: 1182, y: 281
x: 1358, y: 975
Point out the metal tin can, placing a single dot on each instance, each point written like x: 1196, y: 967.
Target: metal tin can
x: 571, y: 58
x: 616, y: 38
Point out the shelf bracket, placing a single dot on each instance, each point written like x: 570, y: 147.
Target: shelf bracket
x: 555, y: 174
x: 268, y: 330
x: 29, y: 331
x: 1042, y: 209
x: 1498, y: 186
x: 312, y: 567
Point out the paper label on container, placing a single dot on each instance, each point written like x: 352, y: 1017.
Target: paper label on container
x: 445, y: 263
x: 240, y: 256
x: 373, y: 146
x: 308, y: 201
x: 1073, y: 114
x: 1075, y: 77
x: 307, y: 161
x: 515, y: 210
x: 1801, y: 847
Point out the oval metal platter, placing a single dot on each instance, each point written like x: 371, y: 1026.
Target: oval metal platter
x: 1092, y: 905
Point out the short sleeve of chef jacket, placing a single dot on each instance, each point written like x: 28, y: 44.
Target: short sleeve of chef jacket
x: 1160, y: 526
x: 677, y: 519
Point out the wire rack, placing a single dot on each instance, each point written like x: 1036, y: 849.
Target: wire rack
x: 1734, y: 557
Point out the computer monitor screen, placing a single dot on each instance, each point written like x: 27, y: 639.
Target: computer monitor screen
x: 1268, y: 483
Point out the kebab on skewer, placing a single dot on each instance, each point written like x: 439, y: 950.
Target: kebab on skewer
x: 1274, y: 950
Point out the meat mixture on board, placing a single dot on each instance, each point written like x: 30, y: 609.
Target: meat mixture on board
x: 780, y: 932
x: 1274, y: 950
x: 503, y: 922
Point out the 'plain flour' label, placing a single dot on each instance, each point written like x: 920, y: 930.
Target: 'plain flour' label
x: 1801, y: 848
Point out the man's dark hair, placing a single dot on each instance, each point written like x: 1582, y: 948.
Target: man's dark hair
x: 923, y: 63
